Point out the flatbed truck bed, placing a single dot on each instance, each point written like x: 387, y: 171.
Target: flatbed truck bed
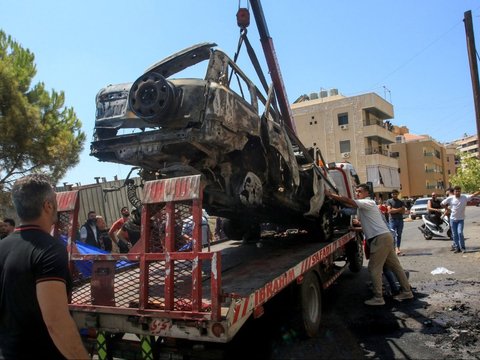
x: 206, y: 294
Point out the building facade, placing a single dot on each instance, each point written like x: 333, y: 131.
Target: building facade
x: 354, y: 129
x: 468, y: 144
x: 425, y: 165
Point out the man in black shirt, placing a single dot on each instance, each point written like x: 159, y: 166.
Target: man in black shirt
x: 396, y: 209
x: 89, y: 231
x: 434, y: 208
x: 35, y: 322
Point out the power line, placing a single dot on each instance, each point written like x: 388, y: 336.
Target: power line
x: 417, y: 54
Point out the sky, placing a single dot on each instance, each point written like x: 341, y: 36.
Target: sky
x: 411, y: 52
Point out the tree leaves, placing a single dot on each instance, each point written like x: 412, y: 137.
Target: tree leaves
x: 468, y: 173
x: 37, y: 131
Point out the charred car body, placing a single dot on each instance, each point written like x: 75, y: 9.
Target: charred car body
x: 221, y: 126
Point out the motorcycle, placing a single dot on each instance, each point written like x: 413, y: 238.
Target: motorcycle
x: 430, y: 229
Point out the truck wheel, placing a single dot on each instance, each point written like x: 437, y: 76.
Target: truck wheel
x: 310, y: 303
x: 354, y: 252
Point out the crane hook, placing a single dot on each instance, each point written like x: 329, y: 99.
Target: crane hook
x: 243, y: 18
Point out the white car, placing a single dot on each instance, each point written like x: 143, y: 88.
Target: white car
x: 419, y: 208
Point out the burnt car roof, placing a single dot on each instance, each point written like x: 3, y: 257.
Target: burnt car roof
x: 182, y: 59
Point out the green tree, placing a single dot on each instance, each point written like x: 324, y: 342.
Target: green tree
x: 468, y: 173
x: 37, y: 132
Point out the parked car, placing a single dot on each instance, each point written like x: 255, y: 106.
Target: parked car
x: 474, y: 201
x: 419, y: 208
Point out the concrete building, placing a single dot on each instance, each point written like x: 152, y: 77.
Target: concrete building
x: 425, y: 164
x: 467, y: 144
x: 354, y: 129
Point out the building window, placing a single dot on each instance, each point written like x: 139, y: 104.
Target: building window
x: 343, y: 119
x: 344, y: 146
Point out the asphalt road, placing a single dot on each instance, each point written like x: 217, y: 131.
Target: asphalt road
x: 442, y: 322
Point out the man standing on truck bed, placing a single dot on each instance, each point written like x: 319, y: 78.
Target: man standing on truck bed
x: 380, y: 241
x: 35, y: 322
x: 117, y: 225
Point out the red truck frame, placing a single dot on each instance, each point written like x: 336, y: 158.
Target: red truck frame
x: 161, y: 291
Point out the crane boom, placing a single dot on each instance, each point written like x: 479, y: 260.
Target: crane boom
x: 273, y: 66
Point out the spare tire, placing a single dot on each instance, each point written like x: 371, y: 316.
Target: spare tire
x: 151, y: 96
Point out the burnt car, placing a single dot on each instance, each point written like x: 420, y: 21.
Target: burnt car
x: 220, y: 126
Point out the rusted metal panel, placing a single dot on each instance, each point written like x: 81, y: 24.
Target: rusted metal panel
x: 175, y: 189
x: 67, y: 200
x: 102, y: 283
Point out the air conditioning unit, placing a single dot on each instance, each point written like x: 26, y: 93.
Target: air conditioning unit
x: 345, y: 155
x: 344, y: 127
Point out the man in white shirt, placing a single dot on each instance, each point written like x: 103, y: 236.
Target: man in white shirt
x: 380, y: 241
x: 456, y: 205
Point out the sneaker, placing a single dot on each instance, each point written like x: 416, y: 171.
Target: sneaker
x: 464, y: 251
x: 375, y: 301
x: 456, y: 251
x: 404, y: 295
x: 453, y: 248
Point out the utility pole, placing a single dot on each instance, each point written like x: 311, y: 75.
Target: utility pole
x: 472, y: 59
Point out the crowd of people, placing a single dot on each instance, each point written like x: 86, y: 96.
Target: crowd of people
x: 118, y: 238
x: 382, y: 225
x: 125, y: 231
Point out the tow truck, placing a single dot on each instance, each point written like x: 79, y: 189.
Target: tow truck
x: 166, y: 300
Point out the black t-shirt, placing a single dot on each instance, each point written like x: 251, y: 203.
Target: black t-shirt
x: 395, y: 204
x: 435, y: 204
x: 28, y: 256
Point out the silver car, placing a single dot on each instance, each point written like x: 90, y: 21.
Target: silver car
x: 419, y: 208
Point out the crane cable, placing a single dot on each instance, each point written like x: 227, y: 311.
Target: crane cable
x: 243, y: 21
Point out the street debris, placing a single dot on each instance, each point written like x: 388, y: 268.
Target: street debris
x: 442, y: 270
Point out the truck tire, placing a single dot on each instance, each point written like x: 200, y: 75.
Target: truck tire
x: 354, y: 251
x: 310, y: 303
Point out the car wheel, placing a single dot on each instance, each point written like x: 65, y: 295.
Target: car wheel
x: 354, y: 252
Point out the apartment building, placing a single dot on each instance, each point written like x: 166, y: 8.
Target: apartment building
x: 467, y: 144
x: 425, y: 164
x: 354, y: 129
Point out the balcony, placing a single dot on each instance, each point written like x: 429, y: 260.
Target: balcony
x: 376, y: 151
x: 376, y: 156
x: 378, y: 133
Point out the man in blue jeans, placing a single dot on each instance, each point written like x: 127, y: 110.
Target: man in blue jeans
x: 457, y: 204
x: 396, y: 209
